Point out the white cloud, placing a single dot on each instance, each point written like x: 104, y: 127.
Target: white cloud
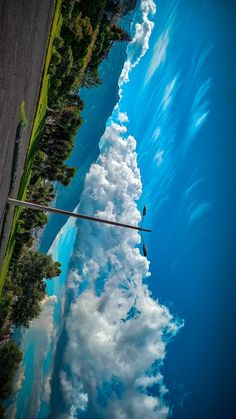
x: 19, y: 379
x: 198, y: 212
x: 159, y: 54
x: 116, y: 329
x: 123, y: 117
x: 140, y: 42
x: 168, y: 94
x: 159, y: 157
x: 201, y: 119
x: 74, y: 394
x: 194, y: 209
x: 74, y: 279
x: 199, y: 111
x: 148, y: 6
x: 156, y: 133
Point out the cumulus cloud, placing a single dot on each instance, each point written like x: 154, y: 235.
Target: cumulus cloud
x: 117, y: 331
x: 123, y: 117
x: 140, y: 41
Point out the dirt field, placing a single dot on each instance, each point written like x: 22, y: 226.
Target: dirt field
x: 24, y: 31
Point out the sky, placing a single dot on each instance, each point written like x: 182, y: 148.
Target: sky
x: 122, y: 335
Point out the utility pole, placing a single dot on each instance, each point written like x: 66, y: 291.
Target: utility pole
x: 39, y: 207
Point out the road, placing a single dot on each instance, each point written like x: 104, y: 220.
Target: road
x: 24, y: 32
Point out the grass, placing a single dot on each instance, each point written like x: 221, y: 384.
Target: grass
x: 35, y: 133
x: 23, y: 119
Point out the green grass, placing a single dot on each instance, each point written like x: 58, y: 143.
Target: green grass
x: 35, y: 133
x: 23, y: 119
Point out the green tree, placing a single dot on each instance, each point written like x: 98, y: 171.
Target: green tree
x: 91, y: 78
x: 58, y: 42
x: 28, y: 280
x: 5, y: 303
x: 10, y: 358
x: 119, y: 34
x: 2, y: 412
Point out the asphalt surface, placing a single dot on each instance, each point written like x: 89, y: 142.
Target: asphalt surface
x: 24, y: 32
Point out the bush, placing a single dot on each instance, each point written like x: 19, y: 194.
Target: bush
x: 56, y: 58
x: 58, y: 42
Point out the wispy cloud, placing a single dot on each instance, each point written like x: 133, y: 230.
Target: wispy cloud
x: 198, y: 212
x: 159, y: 54
x: 195, y: 208
x: 199, y: 111
x: 168, y: 94
x: 159, y: 157
x: 156, y: 133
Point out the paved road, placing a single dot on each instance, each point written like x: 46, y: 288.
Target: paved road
x: 24, y: 31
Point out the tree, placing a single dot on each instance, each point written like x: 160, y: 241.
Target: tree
x: 58, y: 42
x: 10, y: 358
x: 74, y: 101
x: 34, y: 265
x: 119, y: 34
x: 91, y: 78
x: 2, y: 412
x: 55, y: 60
x: 66, y: 175
x: 5, y: 303
x: 30, y: 272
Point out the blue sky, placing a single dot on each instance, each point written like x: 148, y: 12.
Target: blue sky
x: 168, y: 144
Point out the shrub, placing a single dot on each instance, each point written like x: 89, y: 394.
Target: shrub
x: 58, y: 42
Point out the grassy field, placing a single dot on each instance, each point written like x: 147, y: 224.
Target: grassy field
x: 36, y: 130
